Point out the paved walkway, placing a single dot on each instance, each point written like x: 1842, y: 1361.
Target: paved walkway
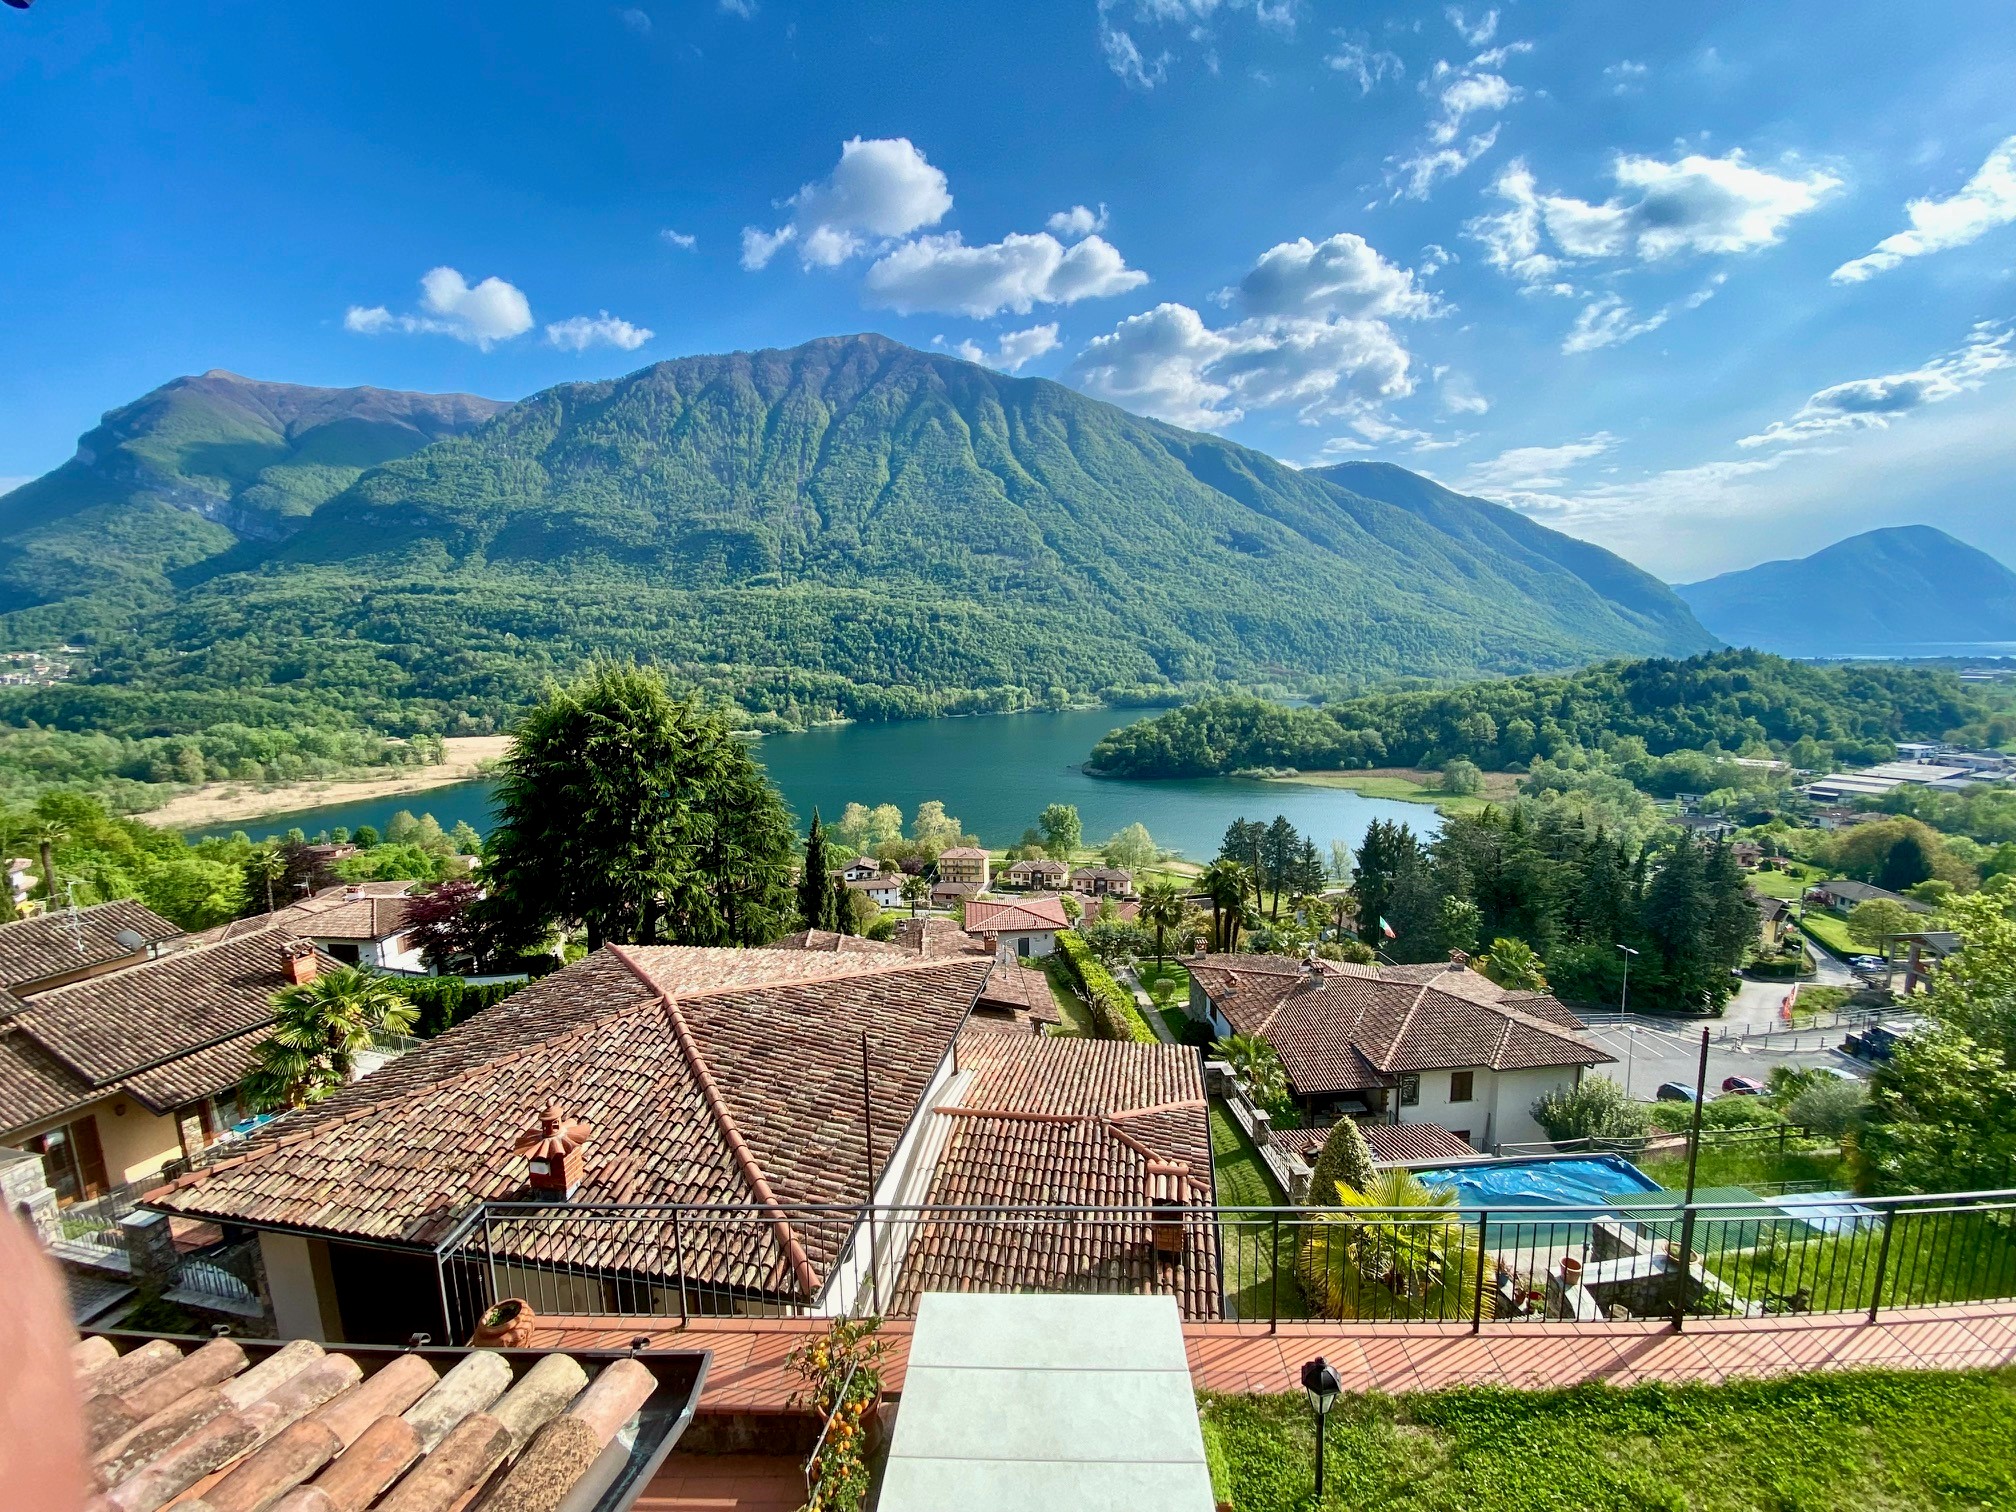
x: 749, y: 1375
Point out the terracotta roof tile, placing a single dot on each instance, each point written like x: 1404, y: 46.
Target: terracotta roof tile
x: 1078, y: 1123
x: 1392, y: 1144
x: 55, y: 944
x: 34, y: 1084
x: 995, y: 914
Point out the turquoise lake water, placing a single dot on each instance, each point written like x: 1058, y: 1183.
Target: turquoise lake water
x: 994, y: 773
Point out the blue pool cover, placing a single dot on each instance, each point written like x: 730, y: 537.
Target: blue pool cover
x: 1586, y: 1181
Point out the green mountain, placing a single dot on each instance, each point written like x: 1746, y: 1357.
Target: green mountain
x: 191, y: 470
x: 856, y: 526
x: 1884, y: 592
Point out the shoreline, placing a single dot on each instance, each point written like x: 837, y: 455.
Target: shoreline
x: 1412, y: 785
x: 220, y: 803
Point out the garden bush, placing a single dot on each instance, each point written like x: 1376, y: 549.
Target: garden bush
x: 1597, y: 1109
x: 1114, y: 1012
x: 441, y: 1003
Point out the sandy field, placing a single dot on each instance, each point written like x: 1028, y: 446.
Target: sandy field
x: 223, y: 802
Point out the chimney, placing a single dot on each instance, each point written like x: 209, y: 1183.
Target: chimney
x: 1168, y: 1183
x: 553, y: 1152
x: 299, y: 962
x: 1458, y: 961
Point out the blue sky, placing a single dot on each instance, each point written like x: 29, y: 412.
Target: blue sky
x: 1707, y: 284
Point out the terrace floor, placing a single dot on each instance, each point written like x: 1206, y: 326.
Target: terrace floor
x: 749, y: 1374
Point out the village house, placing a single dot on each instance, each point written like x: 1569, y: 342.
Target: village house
x: 1844, y: 895
x: 1747, y: 853
x: 356, y: 923
x: 860, y: 869
x: 1017, y: 926
x: 1097, y: 881
x: 884, y: 889
x: 72, y: 944
x: 1773, y: 915
x: 953, y: 894
x: 1038, y: 872
x: 111, y: 1077
x: 669, y: 1075
x: 964, y: 864
x: 1435, y: 1044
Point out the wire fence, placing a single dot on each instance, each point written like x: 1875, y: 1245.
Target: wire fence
x: 1645, y: 1256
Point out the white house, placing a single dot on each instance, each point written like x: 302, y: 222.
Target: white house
x: 1018, y: 927
x: 884, y: 889
x: 359, y: 924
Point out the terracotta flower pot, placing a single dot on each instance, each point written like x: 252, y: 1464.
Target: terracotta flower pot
x: 508, y: 1325
x: 1571, y: 1271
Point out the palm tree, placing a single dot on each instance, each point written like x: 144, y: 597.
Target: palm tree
x: 48, y: 834
x: 319, y: 1027
x: 915, y: 890
x: 1255, y: 1067
x: 268, y: 866
x: 1224, y: 883
x: 1162, y: 907
x: 1513, y: 965
x: 1395, y: 1249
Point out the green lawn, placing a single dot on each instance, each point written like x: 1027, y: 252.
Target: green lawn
x: 1934, y: 1257
x: 1176, y: 1016
x: 1831, y: 930
x: 1872, y: 1442
x: 1070, y: 1007
x: 1749, y: 1165
x: 1407, y: 789
x: 1250, y: 1256
x: 1779, y: 884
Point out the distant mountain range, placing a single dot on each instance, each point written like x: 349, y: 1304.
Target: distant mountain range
x: 1885, y: 592
x: 850, y: 524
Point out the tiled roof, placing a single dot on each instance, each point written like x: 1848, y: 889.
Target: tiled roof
x: 167, y: 1031
x: 55, y: 944
x: 246, y: 1424
x: 1014, y: 994
x: 963, y: 853
x: 937, y: 938
x: 833, y: 940
x: 1040, y: 866
x: 1089, y: 1123
x: 356, y: 911
x: 1392, y: 1144
x: 995, y: 915
x: 34, y: 1084
x: 707, y: 1076
x: 1344, y: 1032
x: 1101, y: 874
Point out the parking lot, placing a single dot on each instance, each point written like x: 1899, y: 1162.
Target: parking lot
x: 1653, y: 1050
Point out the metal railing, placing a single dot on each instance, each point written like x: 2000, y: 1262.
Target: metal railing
x: 1642, y: 1256
x: 89, y: 1229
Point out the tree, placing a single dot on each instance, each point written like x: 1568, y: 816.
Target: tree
x: 1908, y: 863
x: 1388, y: 848
x: 1255, y: 1067
x: 816, y: 901
x: 1411, y: 1256
x: 934, y: 830
x: 1975, y: 989
x: 1132, y: 849
x: 1162, y: 907
x: 1345, y: 1160
x: 1829, y: 1107
x: 1878, y: 922
x: 1941, y: 1117
x: 48, y: 833
x: 444, y: 922
x: 862, y: 829
x: 1458, y: 926
x: 1513, y: 966
x: 1224, y: 883
x: 265, y: 872
x: 319, y: 1027
x: 1597, y: 1108
x: 915, y: 891
x: 1340, y: 861
x: 1279, y: 849
x: 1461, y: 776
x: 640, y: 816
x: 1062, y: 830
x: 1113, y: 940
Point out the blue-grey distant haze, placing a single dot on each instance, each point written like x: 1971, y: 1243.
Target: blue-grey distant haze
x: 1706, y: 284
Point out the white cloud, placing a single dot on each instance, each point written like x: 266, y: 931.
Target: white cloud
x: 638, y: 20
x: 482, y: 315
x: 685, y: 241
x: 1695, y: 205
x: 1984, y: 202
x: 1356, y: 59
x: 1526, y: 467
x: 1625, y: 76
x: 1014, y: 350
x: 1459, y: 394
x: 881, y: 188
x: 1342, y: 275
x: 1193, y: 18
x: 1874, y: 403
x: 1313, y: 336
x: 743, y: 8
x: 1077, y: 221
x: 1477, y: 33
x: 1460, y: 91
x: 1425, y: 168
x: 943, y: 274
x: 577, y: 333
x: 1608, y: 321
x: 1470, y: 95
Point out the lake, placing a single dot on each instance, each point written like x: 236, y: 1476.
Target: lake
x: 994, y: 773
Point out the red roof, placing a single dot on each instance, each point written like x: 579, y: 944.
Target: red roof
x: 1392, y: 1144
x: 1003, y: 916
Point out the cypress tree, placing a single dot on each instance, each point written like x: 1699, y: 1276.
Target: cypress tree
x: 1345, y: 1157
x: 815, y: 885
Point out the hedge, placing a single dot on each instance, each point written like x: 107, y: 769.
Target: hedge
x: 444, y: 1002
x: 1114, y: 1012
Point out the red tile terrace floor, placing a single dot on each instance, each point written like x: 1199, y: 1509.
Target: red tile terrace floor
x: 749, y: 1374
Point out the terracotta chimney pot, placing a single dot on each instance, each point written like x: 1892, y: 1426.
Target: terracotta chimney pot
x: 553, y: 1151
x: 299, y: 962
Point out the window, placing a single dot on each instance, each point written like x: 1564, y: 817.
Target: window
x: 1462, y: 1086
x: 1022, y: 946
x: 1410, y: 1090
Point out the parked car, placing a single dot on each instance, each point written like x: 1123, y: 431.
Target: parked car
x: 1837, y: 1072
x: 1743, y: 1086
x: 1674, y: 1092
x: 1868, y: 963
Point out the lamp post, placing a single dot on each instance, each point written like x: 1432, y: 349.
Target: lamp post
x: 1321, y: 1385
x: 1624, y: 996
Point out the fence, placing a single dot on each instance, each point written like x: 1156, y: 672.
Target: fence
x: 1778, y: 1135
x: 1646, y: 1256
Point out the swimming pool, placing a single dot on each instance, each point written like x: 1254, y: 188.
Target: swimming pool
x: 1582, y: 1181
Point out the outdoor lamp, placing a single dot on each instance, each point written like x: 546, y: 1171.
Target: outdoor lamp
x: 1321, y: 1385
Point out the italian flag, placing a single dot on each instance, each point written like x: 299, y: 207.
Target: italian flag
x: 1386, y: 929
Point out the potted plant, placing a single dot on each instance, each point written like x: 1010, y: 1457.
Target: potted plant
x: 1571, y: 1271
x: 507, y: 1325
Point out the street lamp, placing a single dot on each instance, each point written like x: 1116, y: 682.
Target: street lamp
x: 1321, y: 1385
x: 1624, y: 997
x: 1624, y: 1008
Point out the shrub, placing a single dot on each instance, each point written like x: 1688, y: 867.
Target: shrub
x: 1830, y: 1106
x: 1597, y: 1109
x: 443, y: 1002
x: 1114, y: 1013
x: 1345, y: 1158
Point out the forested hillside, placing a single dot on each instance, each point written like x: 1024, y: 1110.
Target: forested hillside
x: 853, y: 527
x: 1728, y: 700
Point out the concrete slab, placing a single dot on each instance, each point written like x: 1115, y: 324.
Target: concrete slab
x: 1028, y: 1404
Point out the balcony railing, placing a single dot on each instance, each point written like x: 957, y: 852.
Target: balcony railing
x: 1643, y: 1257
